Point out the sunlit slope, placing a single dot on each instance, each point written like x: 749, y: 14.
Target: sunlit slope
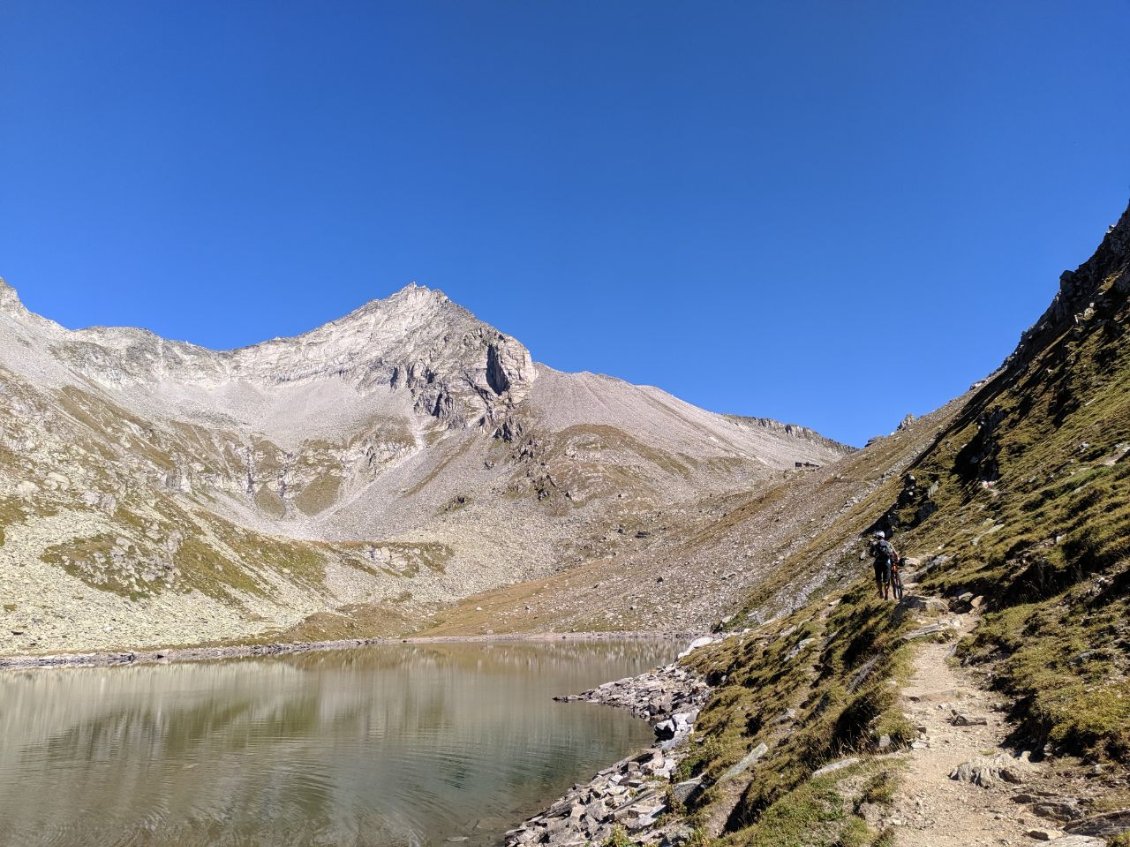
x: 727, y: 559
x: 1022, y: 496
x: 353, y: 478
x: 1026, y: 499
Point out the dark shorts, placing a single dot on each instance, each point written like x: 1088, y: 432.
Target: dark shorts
x: 883, y: 570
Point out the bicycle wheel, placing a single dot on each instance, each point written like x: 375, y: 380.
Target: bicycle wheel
x: 896, y: 584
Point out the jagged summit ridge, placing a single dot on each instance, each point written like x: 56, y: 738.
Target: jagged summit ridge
x: 455, y: 367
x: 9, y: 299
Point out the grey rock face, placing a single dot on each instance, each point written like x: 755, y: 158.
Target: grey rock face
x: 456, y: 367
x: 1106, y: 825
x: 1081, y: 296
x: 749, y: 760
x: 989, y: 771
x: 9, y: 300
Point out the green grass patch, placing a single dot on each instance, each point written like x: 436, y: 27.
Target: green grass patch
x: 396, y: 558
x: 811, y: 816
x: 91, y: 559
x: 321, y: 493
x: 823, y: 812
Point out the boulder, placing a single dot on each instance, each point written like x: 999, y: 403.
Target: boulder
x: 934, y: 562
x: 1106, y: 825
x: 684, y: 720
x: 746, y: 763
x: 933, y: 629
x: 962, y: 604
x: 987, y: 772
x: 694, y: 645
x: 1065, y: 809
x: 676, y: 835
x: 961, y: 719
x: 925, y: 605
x: 683, y: 791
x: 836, y: 766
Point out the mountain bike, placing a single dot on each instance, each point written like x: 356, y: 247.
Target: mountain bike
x: 896, y: 582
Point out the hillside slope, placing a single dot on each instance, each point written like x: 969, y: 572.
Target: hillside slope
x: 1015, y: 501
x: 1026, y: 499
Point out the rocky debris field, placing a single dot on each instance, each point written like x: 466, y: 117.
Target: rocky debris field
x: 630, y: 794
x: 635, y: 793
x: 656, y: 696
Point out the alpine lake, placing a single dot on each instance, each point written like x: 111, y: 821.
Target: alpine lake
x: 399, y: 744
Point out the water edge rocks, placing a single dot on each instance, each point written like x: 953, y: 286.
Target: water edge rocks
x: 635, y: 792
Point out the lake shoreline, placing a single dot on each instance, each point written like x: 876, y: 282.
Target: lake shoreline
x: 635, y: 795
x: 158, y: 656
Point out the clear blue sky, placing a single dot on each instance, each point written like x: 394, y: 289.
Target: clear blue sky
x: 828, y: 213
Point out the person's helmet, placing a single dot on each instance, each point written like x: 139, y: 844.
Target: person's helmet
x: 880, y: 534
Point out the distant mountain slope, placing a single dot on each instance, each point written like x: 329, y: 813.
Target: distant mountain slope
x: 405, y: 455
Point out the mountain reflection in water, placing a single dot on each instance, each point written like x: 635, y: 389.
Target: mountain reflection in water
x: 399, y: 744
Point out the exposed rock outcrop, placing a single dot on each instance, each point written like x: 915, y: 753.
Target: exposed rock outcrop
x: 456, y: 368
x: 1089, y: 293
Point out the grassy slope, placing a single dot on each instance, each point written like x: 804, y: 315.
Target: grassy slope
x: 813, y: 687
x: 1024, y: 497
x: 1032, y: 491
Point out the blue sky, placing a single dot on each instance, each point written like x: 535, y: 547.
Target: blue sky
x: 827, y: 213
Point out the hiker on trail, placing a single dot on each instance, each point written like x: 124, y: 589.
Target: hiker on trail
x: 885, y: 556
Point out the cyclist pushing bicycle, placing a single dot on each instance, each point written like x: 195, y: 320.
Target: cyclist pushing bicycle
x: 886, y: 566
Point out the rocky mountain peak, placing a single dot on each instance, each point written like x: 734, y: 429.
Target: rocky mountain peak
x: 454, y: 367
x: 1087, y: 281
x: 1087, y: 294
x: 412, y: 302
x: 413, y: 291
x: 9, y: 299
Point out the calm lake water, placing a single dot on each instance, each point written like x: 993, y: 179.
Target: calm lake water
x: 391, y: 745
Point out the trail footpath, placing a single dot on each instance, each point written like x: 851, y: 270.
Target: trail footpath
x: 962, y: 786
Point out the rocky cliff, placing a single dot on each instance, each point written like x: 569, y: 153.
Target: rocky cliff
x: 452, y: 367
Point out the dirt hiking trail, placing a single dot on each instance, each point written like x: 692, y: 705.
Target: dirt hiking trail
x: 962, y: 727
